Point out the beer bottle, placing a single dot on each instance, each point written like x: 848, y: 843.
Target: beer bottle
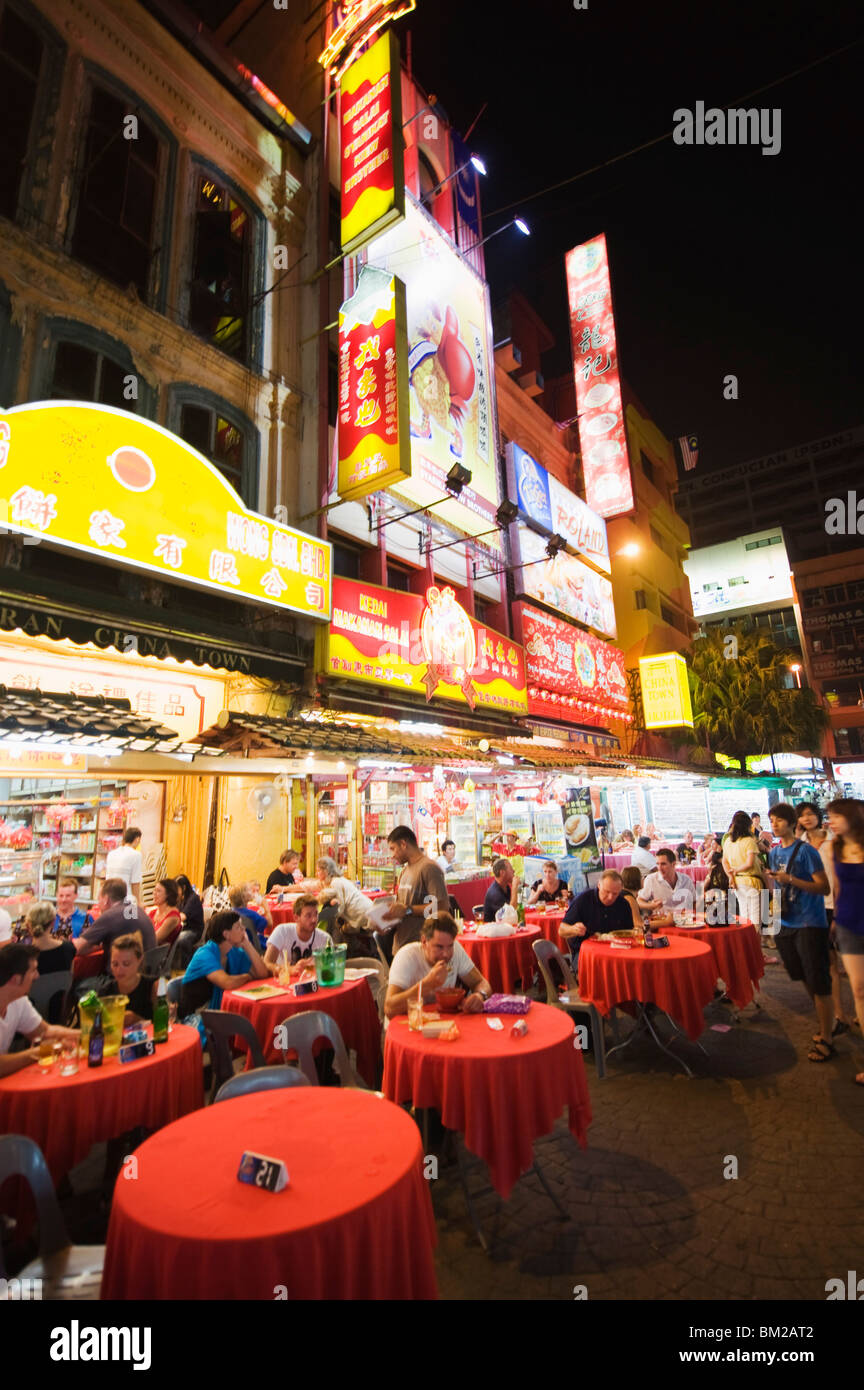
x: 96, y: 1044
x: 160, y: 1013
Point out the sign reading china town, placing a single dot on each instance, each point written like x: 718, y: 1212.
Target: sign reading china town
x: 430, y: 646
x: 451, y: 401
x: 373, y: 174
x: 602, y: 431
x: 569, y: 669
x: 374, y: 447
x: 121, y: 488
x: 550, y: 505
x: 665, y: 691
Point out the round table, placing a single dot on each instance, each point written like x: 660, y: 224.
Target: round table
x: 67, y: 1115
x: 737, y: 956
x: 548, y: 923
x: 679, y: 978
x: 503, y: 960
x: 468, y: 893
x: 500, y: 1092
x: 354, y: 1222
x: 351, y: 1005
x: 281, y: 912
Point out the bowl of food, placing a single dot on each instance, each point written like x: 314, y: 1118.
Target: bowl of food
x: 448, y: 1000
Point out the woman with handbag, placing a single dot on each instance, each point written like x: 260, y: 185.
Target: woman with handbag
x: 846, y: 820
x: 743, y: 865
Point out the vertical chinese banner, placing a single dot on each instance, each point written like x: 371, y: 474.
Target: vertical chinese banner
x: 373, y: 175
x: 374, y: 442
x: 602, y: 431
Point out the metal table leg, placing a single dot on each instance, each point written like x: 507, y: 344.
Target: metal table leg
x: 643, y: 1024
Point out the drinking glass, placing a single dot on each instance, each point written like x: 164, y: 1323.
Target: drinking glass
x: 478, y: 914
x: 415, y: 1016
x: 69, y: 1057
x: 46, y: 1057
x: 172, y: 1013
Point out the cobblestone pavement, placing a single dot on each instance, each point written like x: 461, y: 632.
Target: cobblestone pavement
x: 651, y: 1215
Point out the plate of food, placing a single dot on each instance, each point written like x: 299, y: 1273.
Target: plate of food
x: 577, y: 828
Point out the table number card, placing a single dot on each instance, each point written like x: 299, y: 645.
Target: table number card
x: 130, y: 1052
x: 260, y: 1171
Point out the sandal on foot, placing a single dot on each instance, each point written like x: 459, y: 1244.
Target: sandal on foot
x: 821, y: 1051
x: 839, y: 1029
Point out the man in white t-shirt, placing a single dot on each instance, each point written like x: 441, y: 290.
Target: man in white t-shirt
x: 300, y: 937
x: 18, y: 970
x: 127, y: 862
x: 668, y: 888
x: 436, y: 961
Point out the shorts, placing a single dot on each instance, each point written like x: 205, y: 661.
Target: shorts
x: 804, y: 952
x: 849, y: 943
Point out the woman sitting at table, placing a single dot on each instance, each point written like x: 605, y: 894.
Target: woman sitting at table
x: 191, y: 907
x: 55, y: 953
x: 165, y: 914
x: 626, y: 840
x: 631, y: 878
x: 226, y: 960
x: 352, y: 908
x: 126, y: 956
x: 708, y: 849
x: 549, y: 888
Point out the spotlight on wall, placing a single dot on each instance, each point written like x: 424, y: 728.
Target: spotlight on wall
x: 506, y: 513
x: 457, y: 478
x: 554, y: 545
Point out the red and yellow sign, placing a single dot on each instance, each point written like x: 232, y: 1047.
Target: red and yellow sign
x: 430, y: 646
x: 571, y: 671
x: 116, y: 486
x: 373, y: 173
x: 665, y: 692
x: 602, y: 432
x: 374, y: 444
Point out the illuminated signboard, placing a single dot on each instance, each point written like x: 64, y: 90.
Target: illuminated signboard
x: 119, y: 487
x: 429, y: 646
x: 374, y: 448
x: 373, y: 173
x: 449, y: 356
x: 563, y: 582
x: 358, y: 21
x: 571, y: 671
x: 665, y: 692
x: 602, y: 432
x: 543, y: 500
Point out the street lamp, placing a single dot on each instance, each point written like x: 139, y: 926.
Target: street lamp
x: 517, y: 222
x: 796, y: 667
x: 475, y: 160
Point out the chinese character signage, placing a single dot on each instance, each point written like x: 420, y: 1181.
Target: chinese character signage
x: 602, y: 433
x: 569, y: 668
x: 373, y: 175
x: 374, y: 447
x: 543, y: 500
x: 110, y: 484
x: 665, y: 692
x: 563, y: 582
x: 429, y: 646
x: 449, y: 355
x: 40, y: 762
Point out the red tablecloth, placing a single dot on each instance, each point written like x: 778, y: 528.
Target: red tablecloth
x: 354, y: 1222
x: 500, y: 1092
x: 281, y: 912
x: 679, y: 979
x: 548, y: 924
x: 67, y: 1115
x: 469, y: 894
x: 503, y: 960
x: 737, y: 955
x: 350, y: 1004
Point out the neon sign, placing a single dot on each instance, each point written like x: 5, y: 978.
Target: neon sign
x: 360, y: 20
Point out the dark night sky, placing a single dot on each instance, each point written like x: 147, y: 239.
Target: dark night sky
x: 723, y: 260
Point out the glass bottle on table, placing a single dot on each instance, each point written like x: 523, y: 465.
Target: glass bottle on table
x: 96, y: 1043
x: 160, y: 1013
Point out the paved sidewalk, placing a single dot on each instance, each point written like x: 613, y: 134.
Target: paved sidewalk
x: 651, y: 1214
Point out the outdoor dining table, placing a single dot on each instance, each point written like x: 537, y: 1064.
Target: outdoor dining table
x: 737, y: 956
x: 548, y: 923
x: 502, y: 960
x: 354, y: 1222
x: 500, y: 1092
x: 679, y: 978
x: 350, y: 1004
x: 67, y: 1115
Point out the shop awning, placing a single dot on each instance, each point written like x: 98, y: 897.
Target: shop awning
x: 34, y: 719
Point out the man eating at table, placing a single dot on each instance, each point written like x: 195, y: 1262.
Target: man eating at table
x: 599, y: 909
x: 18, y: 971
x: 436, y: 961
x: 665, y: 887
x: 503, y: 890
x: 299, y: 938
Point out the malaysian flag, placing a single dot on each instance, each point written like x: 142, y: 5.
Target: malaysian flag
x: 689, y: 446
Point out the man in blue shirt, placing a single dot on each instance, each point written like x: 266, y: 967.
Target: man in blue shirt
x: 503, y: 889
x: 70, y: 919
x: 227, y: 960
x: 599, y: 909
x: 802, y: 940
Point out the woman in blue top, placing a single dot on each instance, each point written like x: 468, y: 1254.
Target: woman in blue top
x: 846, y: 820
x: 225, y: 961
